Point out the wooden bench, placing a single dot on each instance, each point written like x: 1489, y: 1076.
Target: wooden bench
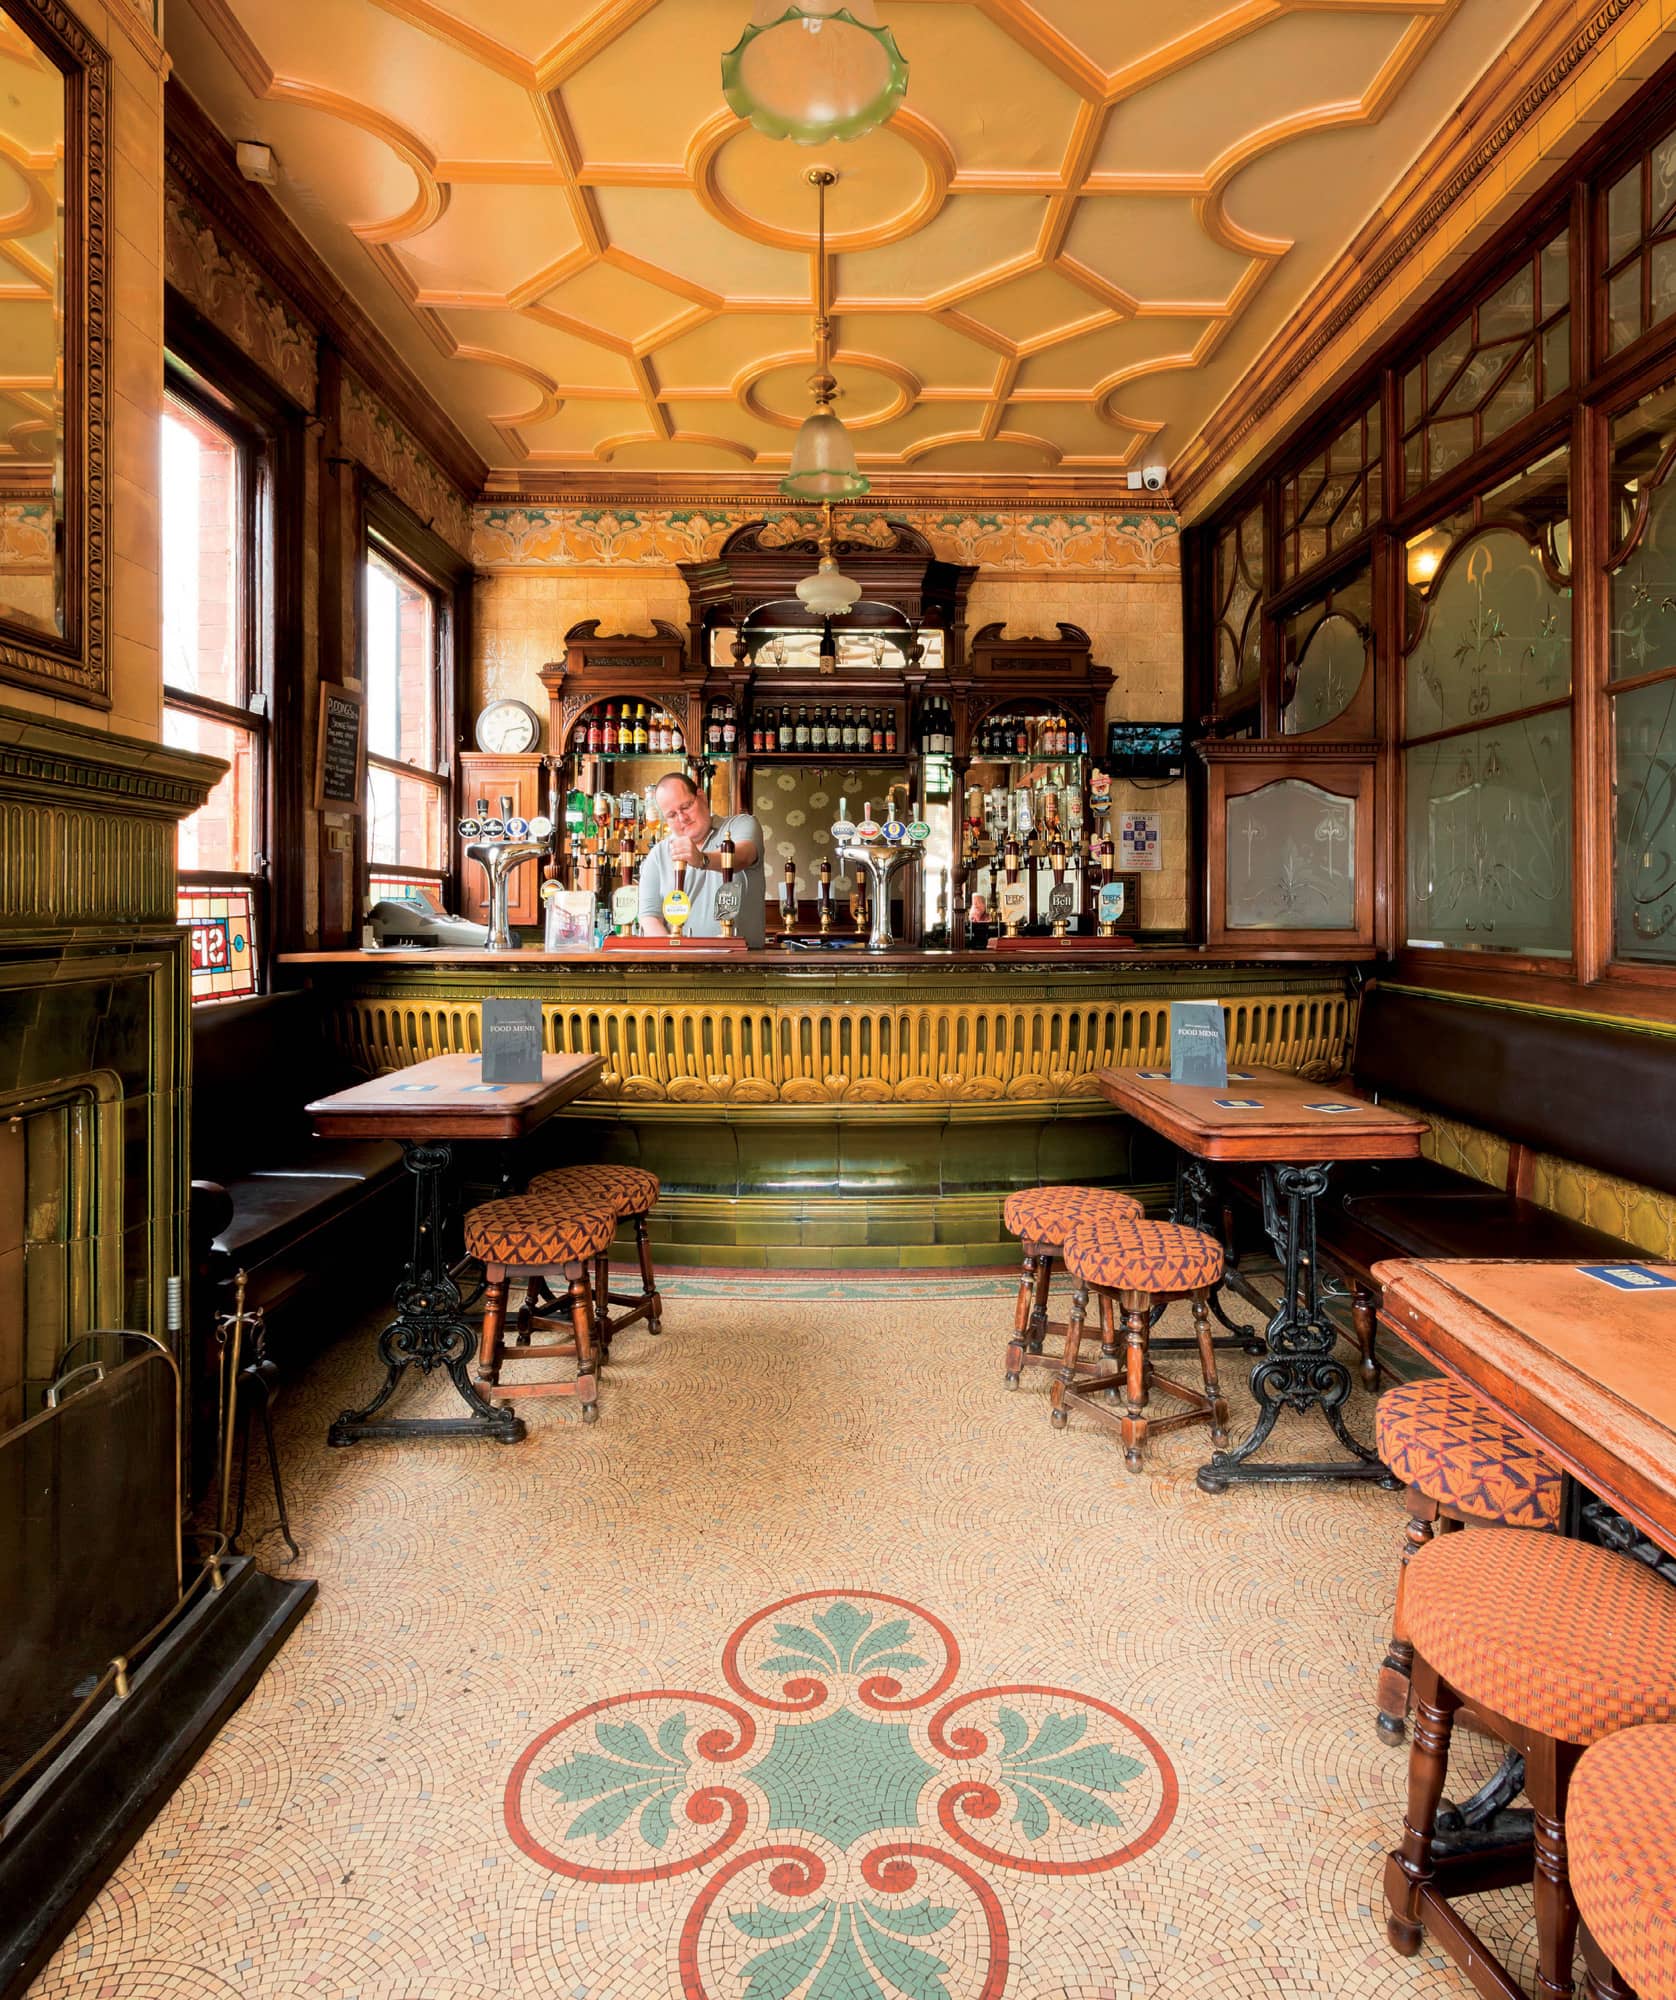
x: 1600, y: 1095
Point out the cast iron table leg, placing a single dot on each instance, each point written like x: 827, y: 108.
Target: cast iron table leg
x: 1195, y: 1207
x: 1299, y: 1371
x: 429, y: 1329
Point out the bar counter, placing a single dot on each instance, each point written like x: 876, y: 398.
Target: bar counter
x: 826, y: 1109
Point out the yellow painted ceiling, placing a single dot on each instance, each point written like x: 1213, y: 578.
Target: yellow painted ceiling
x: 1085, y: 222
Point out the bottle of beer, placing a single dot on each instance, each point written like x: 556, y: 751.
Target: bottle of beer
x: 730, y: 730
x: 878, y: 734
x: 890, y: 732
x: 677, y: 742
x: 756, y: 732
x: 713, y: 730
x: 642, y: 734
x: 770, y: 732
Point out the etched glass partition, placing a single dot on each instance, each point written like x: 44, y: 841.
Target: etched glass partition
x: 1489, y: 838
x: 1644, y: 808
x: 1327, y: 648
x: 1291, y: 859
x: 1239, y: 624
x: 1495, y: 636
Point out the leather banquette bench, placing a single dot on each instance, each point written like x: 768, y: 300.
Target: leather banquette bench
x: 306, y: 1219
x: 1600, y: 1095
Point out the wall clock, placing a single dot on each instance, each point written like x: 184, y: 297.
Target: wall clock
x: 508, y: 728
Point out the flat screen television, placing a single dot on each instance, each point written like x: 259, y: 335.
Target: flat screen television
x: 1146, y: 749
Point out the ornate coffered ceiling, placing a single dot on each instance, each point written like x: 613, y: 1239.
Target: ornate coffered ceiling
x: 1085, y: 222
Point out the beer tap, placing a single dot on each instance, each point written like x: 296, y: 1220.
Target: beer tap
x: 826, y: 895
x: 723, y: 900
x: 788, y: 899
x: 1056, y: 861
x: 500, y: 845
x: 1010, y: 905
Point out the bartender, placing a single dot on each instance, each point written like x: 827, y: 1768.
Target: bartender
x: 689, y: 857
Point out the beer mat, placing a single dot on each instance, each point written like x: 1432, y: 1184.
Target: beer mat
x: 412, y: 1086
x: 1331, y: 1110
x: 1238, y: 1103
x: 1628, y: 1277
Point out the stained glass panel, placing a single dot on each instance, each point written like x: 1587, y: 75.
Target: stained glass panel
x: 1508, y: 356
x: 1291, y: 859
x: 1489, y: 838
x: 223, y: 949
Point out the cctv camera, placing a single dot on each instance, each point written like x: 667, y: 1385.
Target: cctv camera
x: 1152, y: 478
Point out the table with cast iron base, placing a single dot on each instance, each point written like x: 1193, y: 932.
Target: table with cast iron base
x: 426, y: 1108
x: 1278, y: 1122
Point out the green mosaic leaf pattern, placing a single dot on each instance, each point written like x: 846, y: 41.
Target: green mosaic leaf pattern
x: 633, y: 1776
x: 856, y: 1951
x: 846, y: 1640
x: 1051, y: 1770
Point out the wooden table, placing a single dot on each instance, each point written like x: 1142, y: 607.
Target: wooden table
x: 1295, y: 1131
x: 1587, y: 1370
x: 426, y: 1108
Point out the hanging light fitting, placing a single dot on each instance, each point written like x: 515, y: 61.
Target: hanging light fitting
x: 828, y: 593
x: 814, y: 70
x: 823, y: 463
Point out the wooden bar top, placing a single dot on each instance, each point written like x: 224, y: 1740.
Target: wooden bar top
x: 1583, y: 1362
x: 1263, y: 1115
x: 446, y: 1098
x: 1086, y: 952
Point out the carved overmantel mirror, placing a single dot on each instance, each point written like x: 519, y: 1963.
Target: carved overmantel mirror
x: 54, y: 93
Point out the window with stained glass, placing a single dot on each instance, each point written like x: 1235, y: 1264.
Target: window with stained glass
x: 1641, y: 690
x: 1640, y: 234
x: 1239, y: 600
x: 1487, y: 722
x: 1333, y: 498
x: 1500, y: 362
x: 214, y: 694
x: 1325, y: 651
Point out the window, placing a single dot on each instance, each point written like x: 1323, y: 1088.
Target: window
x: 1487, y: 722
x: 1641, y: 246
x: 214, y: 694
x: 407, y: 780
x: 1334, y: 498
x: 1239, y: 603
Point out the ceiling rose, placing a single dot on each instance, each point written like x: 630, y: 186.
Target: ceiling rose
x: 814, y: 70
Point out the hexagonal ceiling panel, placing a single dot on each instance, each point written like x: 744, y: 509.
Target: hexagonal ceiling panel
x: 1085, y: 221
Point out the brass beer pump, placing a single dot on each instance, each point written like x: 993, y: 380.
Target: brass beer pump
x: 726, y: 924
x: 1010, y: 872
x: 826, y: 896
x: 788, y: 899
x: 1056, y: 861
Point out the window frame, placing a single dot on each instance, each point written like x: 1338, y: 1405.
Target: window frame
x: 395, y: 535
x: 254, y: 570
x: 1601, y: 386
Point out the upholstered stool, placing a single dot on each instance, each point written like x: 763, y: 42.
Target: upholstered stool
x: 1554, y: 1644
x: 1460, y: 1463
x: 1620, y: 1837
x: 1130, y: 1262
x: 525, y: 1237
x: 1040, y: 1218
x: 632, y: 1193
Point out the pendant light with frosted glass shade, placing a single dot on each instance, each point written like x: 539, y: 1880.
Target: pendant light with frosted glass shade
x: 812, y: 70
x: 828, y: 593
x: 823, y: 463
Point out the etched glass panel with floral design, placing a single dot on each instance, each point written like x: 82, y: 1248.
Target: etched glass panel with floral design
x: 1489, y: 837
x: 1239, y: 596
x: 1326, y: 650
x: 1644, y: 529
x: 1644, y: 817
x: 1291, y: 859
x: 1495, y: 635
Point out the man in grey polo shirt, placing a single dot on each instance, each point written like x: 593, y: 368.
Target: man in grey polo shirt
x: 689, y: 857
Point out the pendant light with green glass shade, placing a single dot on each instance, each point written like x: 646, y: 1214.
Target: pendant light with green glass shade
x: 811, y: 70
x: 823, y: 463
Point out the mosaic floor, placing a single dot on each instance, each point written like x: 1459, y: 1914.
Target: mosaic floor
x: 820, y: 1668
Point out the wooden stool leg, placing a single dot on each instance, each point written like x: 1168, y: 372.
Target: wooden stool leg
x: 648, y: 1283
x: 1021, y: 1320
x: 1601, y: 1978
x: 1137, y: 1324
x: 1364, y: 1321
x: 1548, y: 1768
x: 582, y: 1325
x: 1039, y: 1305
x: 1068, y: 1362
x: 491, y: 1341
x: 1108, y: 1345
x: 602, y: 1303
x: 1409, y: 1870
x: 1207, y: 1367
x: 1398, y: 1664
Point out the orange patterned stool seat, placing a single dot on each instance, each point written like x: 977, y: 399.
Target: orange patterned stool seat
x: 1459, y: 1462
x: 1126, y: 1261
x: 632, y: 1193
x: 1440, y: 1437
x: 533, y: 1236
x: 1553, y: 1644
x: 1621, y: 1844
x: 1040, y: 1216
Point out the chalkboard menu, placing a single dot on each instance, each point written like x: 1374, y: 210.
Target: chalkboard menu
x: 337, y: 768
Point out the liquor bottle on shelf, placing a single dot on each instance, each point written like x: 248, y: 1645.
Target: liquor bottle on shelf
x: 800, y: 740
x: 730, y: 729
x: 890, y: 732
x: 713, y: 729
x: 596, y: 734
x: 771, y: 732
x: 878, y: 734
x: 642, y: 730
x: 757, y: 733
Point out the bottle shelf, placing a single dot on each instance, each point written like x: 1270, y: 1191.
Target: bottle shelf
x: 828, y: 757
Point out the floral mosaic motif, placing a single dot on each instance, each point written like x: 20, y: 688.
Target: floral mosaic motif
x: 838, y: 1811
x: 556, y: 537
x: 229, y: 290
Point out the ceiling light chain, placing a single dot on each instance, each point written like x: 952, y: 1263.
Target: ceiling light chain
x: 823, y: 463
